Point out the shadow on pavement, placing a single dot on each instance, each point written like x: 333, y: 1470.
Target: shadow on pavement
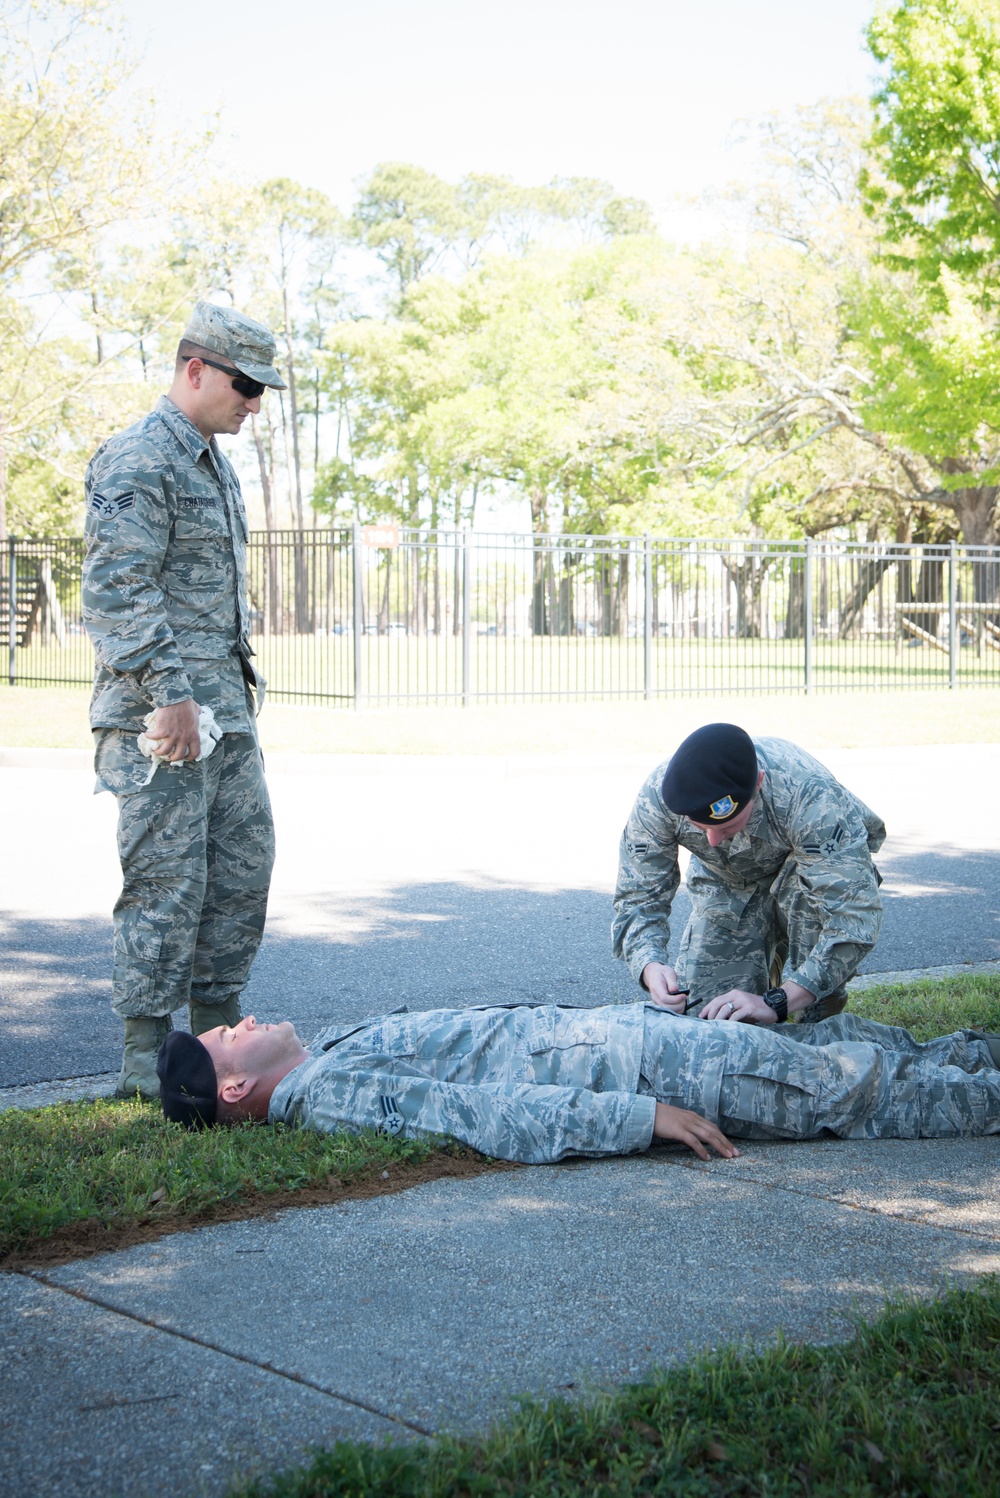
x: 448, y: 944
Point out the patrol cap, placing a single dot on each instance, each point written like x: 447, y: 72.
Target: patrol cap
x: 189, y: 1088
x: 248, y: 344
x: 712, y: 775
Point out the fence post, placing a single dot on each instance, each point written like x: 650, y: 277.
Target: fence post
x: 807, y: 609
x: 466, y: 617
x: 647, y: 622
x: 12, y: 611
x: 358, y: 571
x: 954, y: 634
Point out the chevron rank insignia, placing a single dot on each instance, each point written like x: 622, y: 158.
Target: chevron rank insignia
x: 108, y: 509
x: 392, y: 1119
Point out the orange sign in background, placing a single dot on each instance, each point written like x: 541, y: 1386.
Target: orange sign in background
x: 381, y: 535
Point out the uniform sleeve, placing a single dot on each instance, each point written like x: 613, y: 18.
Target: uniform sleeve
x: 832, y: 853
x: 535, y: 1125
x: 648, y: 876
x: 127, y: 534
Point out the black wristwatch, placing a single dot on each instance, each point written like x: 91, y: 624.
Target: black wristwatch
x: 777, y: 999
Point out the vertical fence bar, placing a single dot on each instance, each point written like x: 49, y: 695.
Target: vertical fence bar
x: 807, y: 613
x: 954, y: 633
x: 12, y: 611
x: 359, y: 614
x: 466, y: 616
x: 647, y: 621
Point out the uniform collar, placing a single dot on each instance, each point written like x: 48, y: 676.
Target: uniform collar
x: 184, y: 429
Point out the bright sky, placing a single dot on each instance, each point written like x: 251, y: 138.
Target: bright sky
x: 643, y: 93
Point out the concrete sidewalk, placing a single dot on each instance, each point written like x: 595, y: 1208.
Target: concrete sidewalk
x: 175, y: 1368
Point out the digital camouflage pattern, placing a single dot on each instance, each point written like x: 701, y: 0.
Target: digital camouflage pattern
x: 518, y: 1083
x: 537, y: 1084
x: 196, y: 847
x: 164, y: 580
x: 859, y: 1080
x: 798, y: 882
x: 241, y: 340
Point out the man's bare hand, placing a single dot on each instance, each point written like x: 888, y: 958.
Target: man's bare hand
x: 175, y: 730
x: 740, y: 1005
x: 662, y: 985
x: 691, y: 1129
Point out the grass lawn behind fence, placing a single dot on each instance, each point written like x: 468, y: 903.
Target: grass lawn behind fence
x: 55, y: 717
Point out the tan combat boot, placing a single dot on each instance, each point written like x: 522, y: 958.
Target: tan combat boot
x: 143, y: 1038
x: 208, y: 1016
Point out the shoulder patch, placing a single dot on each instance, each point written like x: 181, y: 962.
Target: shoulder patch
x: 109, y: 509
x: 829, y: 845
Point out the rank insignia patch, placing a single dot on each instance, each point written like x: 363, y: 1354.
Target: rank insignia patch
x: 107, y: 509
x: 392, y: 1119
x: 723, y: 808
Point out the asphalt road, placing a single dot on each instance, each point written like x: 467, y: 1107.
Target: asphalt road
x: 442, y: 882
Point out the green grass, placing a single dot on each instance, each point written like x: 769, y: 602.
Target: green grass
x: 935, y: 1006
x: 908, y: 1407
x: 112, y: 1166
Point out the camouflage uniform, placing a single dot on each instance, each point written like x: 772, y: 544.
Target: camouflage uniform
x: 519, y: 1083
x: 849, y: 1076
x: 165, y: 604
x: 795, y: 889
x: 537, y: 1084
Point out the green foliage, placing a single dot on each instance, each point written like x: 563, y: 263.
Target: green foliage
x: 907, y: 1407
x: 934, y: 364
x: 935, y: 183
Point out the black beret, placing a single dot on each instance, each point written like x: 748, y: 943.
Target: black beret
x: 713, y: 774
x: 189, y: 1088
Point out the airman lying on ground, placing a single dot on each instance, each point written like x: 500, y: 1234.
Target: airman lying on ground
x: 538, y: 1083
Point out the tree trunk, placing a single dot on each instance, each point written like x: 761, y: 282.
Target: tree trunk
x: 540, y: 623
x: 795, y: 611
x: 3, y: 482
x: 748, y: 575
x: 867, y: 577
x: 272, y: 568
x: 619, y: 621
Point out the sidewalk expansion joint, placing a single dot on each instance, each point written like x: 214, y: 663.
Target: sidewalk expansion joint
x: 852, y: 1206
x: 237, y: 1357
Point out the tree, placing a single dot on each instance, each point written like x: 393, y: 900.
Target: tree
x: 933, y: 187
x: 75, y: 163
x: 934, y: 183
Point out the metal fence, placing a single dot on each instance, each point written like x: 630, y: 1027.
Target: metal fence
x: 355, y: 617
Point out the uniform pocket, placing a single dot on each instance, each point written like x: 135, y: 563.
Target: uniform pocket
x: 560, y: 1029
x: 136, y: 965
x: 118, y: 764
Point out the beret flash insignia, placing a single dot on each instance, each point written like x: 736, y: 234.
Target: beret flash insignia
x: 722, y: 808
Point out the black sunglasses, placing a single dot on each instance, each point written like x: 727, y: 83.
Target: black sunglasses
x: 242, y: 384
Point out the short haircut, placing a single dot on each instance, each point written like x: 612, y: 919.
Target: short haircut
x: 188, y: 350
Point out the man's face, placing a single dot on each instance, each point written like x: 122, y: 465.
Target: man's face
x: 220, y: 408
x: 717, y: 833
x: 252, y: 1050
